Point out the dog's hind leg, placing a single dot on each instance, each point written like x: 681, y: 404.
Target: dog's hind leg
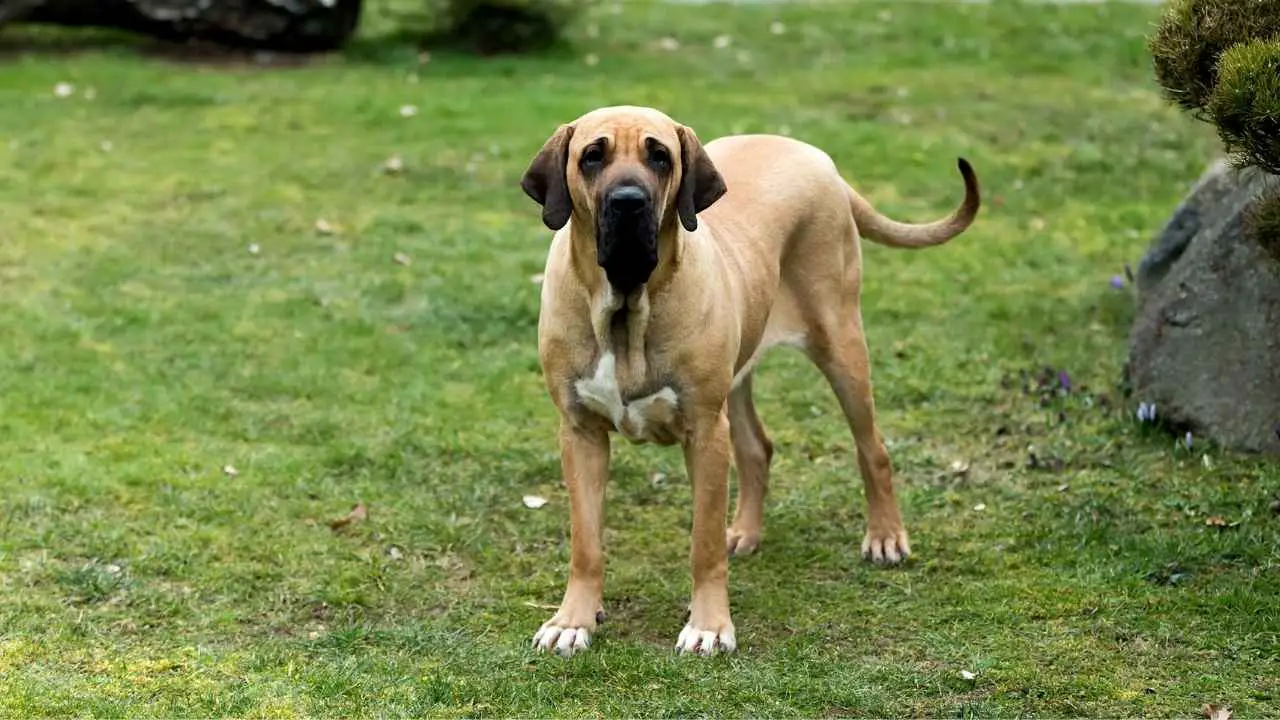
x: 752, y: 452
x: 842, y: 356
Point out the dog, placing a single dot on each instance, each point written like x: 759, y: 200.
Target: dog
x: 673, y: 267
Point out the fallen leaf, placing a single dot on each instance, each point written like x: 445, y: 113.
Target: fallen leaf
x: 408, y: 110
x: 979, y: 507
x: 534, y: 501
x: 959, y: 468
x: 1215, y: 521
x: 63, y: 89
x: 357, y: 514
x: 230, y: 470
x: 966, y: 675
x: 395, y: 553
x: 393, y: 165
x: 324, y: 227
x: 254, y: 248
x: 401, y: 258
x: 1215, y: 712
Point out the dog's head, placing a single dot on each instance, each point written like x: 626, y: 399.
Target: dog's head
x: 627, y: 174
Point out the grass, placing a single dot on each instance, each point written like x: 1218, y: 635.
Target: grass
x: 146, y: 349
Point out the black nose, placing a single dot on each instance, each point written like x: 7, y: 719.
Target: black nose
x: 627, y: 199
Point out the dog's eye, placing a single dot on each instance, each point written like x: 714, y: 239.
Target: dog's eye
x: 593, y: 155
x: 660, y: 157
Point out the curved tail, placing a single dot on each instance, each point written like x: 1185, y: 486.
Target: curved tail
x: 885, y: 231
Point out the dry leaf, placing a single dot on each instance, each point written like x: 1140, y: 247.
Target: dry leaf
x: 401, y: 259
x: 393, y: 165
x: 960, y: 468
x: 408, y: 110
x: 979, y: 507
x: 395, y: 553
x: 324, y: 227
x: 1215, y: 712
x: 230, y: 470
x: 357, y: 514
x: 63, y: 89
x: 254, y: 248
x: 534, y: 501
x: 966, y: 675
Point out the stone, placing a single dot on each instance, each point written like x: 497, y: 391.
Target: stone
x: 281, y: 25
x: 1205, y: 345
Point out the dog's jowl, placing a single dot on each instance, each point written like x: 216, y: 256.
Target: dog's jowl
x: 674, y: 267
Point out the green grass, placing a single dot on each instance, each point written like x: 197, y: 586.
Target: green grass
x: 145, y: 348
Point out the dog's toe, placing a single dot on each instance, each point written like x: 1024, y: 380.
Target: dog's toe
x: 564, y: 641
x: 706, y: 642
x: 886, y: 548
x: 739, y: 543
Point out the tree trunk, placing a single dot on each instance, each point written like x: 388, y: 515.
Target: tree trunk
x: 283, y: 25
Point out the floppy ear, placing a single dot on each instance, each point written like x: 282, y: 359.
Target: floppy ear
x: 545, y: 181
x: 700, y: 183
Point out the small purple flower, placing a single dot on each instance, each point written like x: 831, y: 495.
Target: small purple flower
x: 1187, y: 440
x: 1117, y: 282
x: 1064, y: 380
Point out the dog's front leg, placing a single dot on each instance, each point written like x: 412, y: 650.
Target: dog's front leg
x: 706, y: 454
x: 584, y: 460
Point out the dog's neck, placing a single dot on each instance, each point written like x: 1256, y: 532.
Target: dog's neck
x: 619, y: 325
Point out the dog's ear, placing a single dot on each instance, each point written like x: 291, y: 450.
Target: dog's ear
x: 700, y: 182
x: 545, y: 179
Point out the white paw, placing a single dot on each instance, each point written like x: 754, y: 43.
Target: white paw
x: 706, y: 642
x: 561, y: 640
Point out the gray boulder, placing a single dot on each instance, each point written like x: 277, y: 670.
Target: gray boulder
x: 1205, y: 347
x: 285, y: 25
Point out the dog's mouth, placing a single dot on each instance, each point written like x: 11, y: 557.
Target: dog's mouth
x: 627, y: 246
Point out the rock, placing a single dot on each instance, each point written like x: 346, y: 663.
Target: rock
x: 1205, y: 346
x: 284, y: 25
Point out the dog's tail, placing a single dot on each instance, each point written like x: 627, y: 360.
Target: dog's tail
x: 883, y: 230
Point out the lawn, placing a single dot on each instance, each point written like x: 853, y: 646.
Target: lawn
x: 226, y: 323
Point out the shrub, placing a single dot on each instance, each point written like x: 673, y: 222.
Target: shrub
x: 1193, y: 35
x: 1264, y: 223
x: 1245, y: 104
x: 1220, y: 60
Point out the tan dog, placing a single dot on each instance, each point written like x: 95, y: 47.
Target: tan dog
x: 673, y: 268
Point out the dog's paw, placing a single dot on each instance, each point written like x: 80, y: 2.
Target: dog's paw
x: 740, y: 542
x: 706, y: 642
x: 886, y: 546
x: 564, y: 641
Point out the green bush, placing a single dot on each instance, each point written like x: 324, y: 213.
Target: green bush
x: 1193, y: 35
x: 1220, y: 60
x: 1245, y: 103
x: 501, y: 26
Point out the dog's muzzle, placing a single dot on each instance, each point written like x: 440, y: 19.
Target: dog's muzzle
x: 627, y: 237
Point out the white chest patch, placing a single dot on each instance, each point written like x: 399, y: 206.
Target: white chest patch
x: 648, y: 418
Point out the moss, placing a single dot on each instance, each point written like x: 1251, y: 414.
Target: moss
x: 1192, y: 36
x: 1245, y: 104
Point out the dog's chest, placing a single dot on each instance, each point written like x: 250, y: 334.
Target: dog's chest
x: 651, y: 418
